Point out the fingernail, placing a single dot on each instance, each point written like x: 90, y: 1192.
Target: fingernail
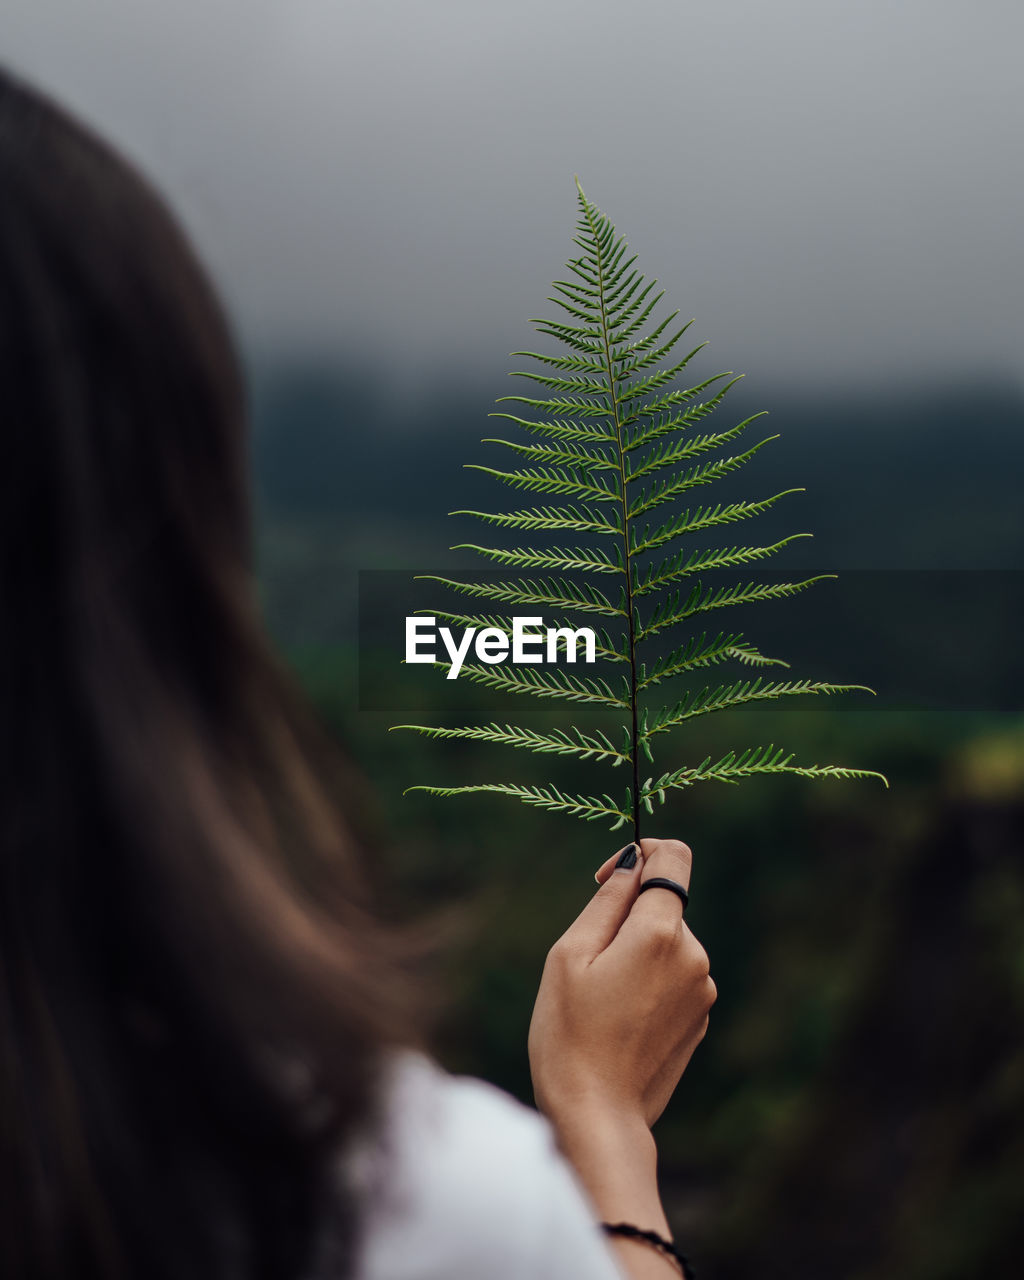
x: 627, y: 858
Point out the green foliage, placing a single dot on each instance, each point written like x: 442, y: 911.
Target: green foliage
x: 617, y: 442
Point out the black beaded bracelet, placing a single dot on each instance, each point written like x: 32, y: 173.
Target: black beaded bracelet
x: 629, y: 1232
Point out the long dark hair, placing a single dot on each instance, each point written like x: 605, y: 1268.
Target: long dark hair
x: 193, y: 997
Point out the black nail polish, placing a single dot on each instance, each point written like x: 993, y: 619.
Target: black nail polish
x: 627, y: 858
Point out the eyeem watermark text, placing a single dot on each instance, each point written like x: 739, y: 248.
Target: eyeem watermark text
x: 528, y: 642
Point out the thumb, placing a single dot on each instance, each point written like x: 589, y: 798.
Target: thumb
x: 600, y: 920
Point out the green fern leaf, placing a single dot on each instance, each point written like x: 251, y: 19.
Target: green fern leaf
x: 586, y: 807
x: 575, y: 406
x: 617, y: 439
x: 698, y: 520
x: 704, y: 701
x: 587, y: 462
x: 663, y: 422
x: 553, y: 519
x: 669, y: 455
x: 552, y: 480
x: 575, y: 560
x: 734, y: 766
x: 558, y: 429
x: 675, y: 609
x: 665, y: 490
x: 699, y: 652
x: 555, y: 593
x: 542, y: 684
x: 587, y: 746
x: 684, y: 564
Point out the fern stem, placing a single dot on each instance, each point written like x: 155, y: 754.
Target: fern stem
x: 634, y: 734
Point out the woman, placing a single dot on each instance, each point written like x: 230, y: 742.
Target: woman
x: 209, y: 1060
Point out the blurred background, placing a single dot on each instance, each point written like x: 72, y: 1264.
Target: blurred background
x: 383, y: 194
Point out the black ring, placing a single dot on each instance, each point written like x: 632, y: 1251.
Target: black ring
x: 660, y: 882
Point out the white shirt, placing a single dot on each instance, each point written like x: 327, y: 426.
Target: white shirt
x: 464, y: 1183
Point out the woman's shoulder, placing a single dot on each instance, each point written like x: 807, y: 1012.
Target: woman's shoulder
x: 461, y: 1180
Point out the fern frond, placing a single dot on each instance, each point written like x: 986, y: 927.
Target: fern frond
x: 555, y: 519
x: 733, y: 766
x: 622, y: 348
x: 552, y: 480
x: 634, y: 359
x: 542, y: 684
x: 577, y: 304
x: 659, y: 422
x: 620, y: 285
x: 618, y: 439
x: 670, y: 455
x: 558, y: 429
x: 700, y: 652
x: 589, y: 808
x: 480, y: 621
x: 708, y: 700
x: 632, y: 318
x: 666, y: 490
x: 574, y: 406
x: 585, y: 746
x: 577, y: 385
x: 558, y: 593
x: 685, y: 564
x: 635, y: 391
x: 675, y: 609
x: 700, y: 519
x: 583, y: 460
x: 580, y: 337
x: 567, y: 363
x: 572, y: 560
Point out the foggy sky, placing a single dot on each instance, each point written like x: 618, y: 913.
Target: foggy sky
x: 833, y: 190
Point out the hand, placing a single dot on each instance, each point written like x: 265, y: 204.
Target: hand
x: 622, y: 1005
x: 624, y: 998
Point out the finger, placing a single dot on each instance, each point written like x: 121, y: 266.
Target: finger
x: 600, y: 920
x: 668, y: 860
x: 608, y: 866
